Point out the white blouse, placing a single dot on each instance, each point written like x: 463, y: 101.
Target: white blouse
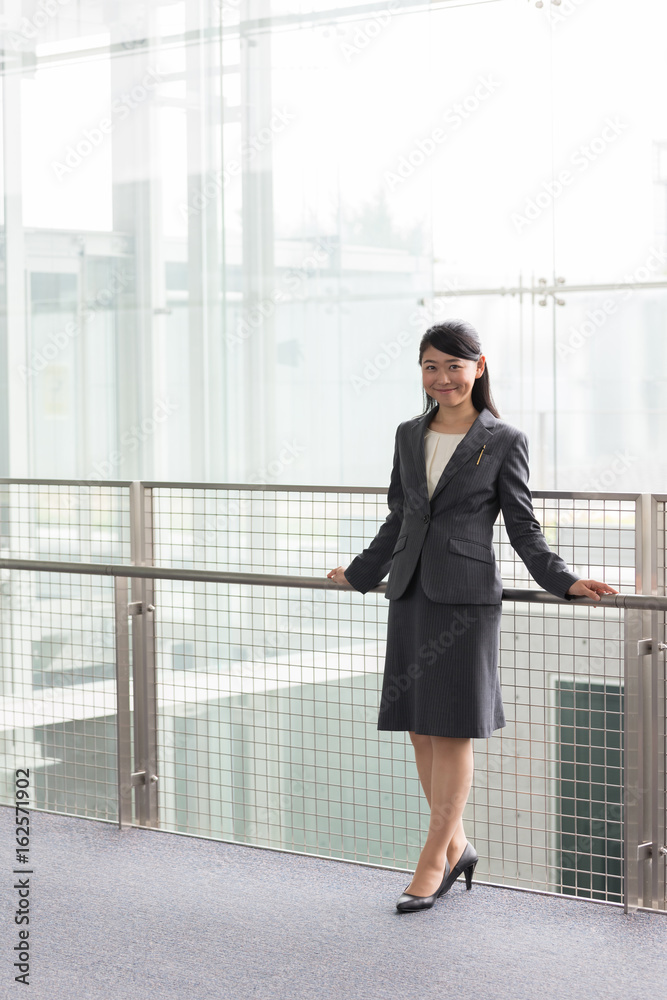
x: 438, y: 449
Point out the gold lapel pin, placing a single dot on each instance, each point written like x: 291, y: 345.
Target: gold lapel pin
x: 480, y: 455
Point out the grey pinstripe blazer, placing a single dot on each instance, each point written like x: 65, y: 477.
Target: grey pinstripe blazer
x: 453, y: 530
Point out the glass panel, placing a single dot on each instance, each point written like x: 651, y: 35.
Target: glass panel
x: 611, y: 358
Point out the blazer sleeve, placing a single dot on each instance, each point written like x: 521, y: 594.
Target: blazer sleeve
x: 369, y: 568
x: 523, y: 528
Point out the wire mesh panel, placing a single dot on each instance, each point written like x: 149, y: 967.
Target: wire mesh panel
x: 58, y: 700
x: 546, y: 804
x: 268, y: 736
x: 293, y: 530
x: 279, y: 684
x: 64, y: 520
x: 268, y: 732
x: 57, y: 660
x: 268, y: 697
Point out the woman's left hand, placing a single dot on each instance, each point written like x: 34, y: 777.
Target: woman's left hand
x: 590, y: 588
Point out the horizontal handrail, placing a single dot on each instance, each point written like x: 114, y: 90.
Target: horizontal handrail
x: 649, y: 602
x: 298, y: 488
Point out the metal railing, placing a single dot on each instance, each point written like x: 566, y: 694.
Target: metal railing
x: 569, y: 798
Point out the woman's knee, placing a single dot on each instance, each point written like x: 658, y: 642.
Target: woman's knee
x: 419, y: 739
x: 451, y: 744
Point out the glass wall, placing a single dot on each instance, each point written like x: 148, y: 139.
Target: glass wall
x: 226, y: 226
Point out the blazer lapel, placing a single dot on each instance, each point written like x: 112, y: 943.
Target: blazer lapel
x: 478, y: 435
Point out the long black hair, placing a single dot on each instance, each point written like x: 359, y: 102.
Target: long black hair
x: 460, y: 339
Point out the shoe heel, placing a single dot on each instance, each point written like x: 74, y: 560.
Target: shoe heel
x: 468, y: 874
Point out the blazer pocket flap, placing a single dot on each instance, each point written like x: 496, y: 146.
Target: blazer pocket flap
x: 474, y: 550
x: 400, y: 544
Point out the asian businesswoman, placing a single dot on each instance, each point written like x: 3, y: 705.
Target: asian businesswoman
x: 456, y: 466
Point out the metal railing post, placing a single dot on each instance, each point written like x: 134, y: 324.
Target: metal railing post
x: 654, y: 830
x: 123, y: 729
x: 141, y: 607
x: 644, y: 728
x: 659, y: 651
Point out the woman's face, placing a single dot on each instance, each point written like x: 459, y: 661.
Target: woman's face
x: 447, y: 379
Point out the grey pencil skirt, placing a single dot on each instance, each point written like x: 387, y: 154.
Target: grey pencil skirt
x: 441, y: 666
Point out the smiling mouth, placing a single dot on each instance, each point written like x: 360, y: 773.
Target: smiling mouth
x: 446, y: 390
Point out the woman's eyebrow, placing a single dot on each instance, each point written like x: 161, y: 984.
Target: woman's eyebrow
x: 433, y: 362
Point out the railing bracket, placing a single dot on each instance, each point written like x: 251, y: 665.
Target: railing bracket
x: 137, y: 608
x: 139, y: 778
x: 644, y: 851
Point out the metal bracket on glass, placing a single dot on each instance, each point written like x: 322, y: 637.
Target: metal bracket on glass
x: 543, y: 284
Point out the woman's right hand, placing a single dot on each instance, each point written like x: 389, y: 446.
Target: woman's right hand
x: 338, y: 575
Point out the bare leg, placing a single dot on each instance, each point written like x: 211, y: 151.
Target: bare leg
x: 451, y: 778
x: 424, y: 758
x: 423, y: 748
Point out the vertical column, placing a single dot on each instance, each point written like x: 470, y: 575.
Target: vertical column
x: 123, y: 729
x: 653, y: 862
x: 203, y: 109
x: 633, y: 762
x: 15, y: 383
x: 135, y: 77
x: 660, y: 674
x: 258, y: 399
x: 14, y: 389
x: 143, y: 657
x: 644, y: 726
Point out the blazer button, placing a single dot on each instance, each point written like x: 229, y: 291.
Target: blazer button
x: 426, y: 518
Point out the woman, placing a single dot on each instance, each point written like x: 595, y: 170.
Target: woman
x: 455, y: 467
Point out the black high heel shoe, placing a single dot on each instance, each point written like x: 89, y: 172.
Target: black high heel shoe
x: 407, y: 902
x: 466, y: 863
